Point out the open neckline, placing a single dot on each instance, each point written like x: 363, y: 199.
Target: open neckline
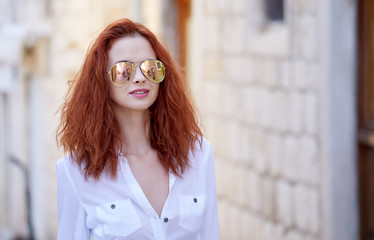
x: 139, y: 193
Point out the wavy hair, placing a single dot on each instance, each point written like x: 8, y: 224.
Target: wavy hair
x: 91, y: 134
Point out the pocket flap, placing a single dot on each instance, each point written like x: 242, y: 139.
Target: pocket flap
x: 192, y: 209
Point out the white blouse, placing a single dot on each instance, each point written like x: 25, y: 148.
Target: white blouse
x: 118, y: 209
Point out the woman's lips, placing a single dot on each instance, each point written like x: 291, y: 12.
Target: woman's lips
x: 141, y: 92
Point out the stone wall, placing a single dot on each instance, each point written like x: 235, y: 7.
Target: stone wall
x: 260, y: 105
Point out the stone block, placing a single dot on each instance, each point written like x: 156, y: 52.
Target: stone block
x: 252, y: 105
x: 255, y: 15
x: 279, y: 111
x: 249, y: 105
x: 294, y: 111
x: 235, y: 7
x: 291, y: 150
x: 307, y: 209
x: 252, y: 191
x: 311, y: 113
x: 245, y: 225
x: 214, y: 102
x: 212, y: 29
x: 272, y: 41
x: 304, y: 7
x: 294, y: 235
x: 272, y: 231
x: 242, y: 186
x: 266, y: 71
x: 236, y: 184
x: 231, y: 140
x: 268, y: 198
x: 245, y: 104
x: 237, y: 223
x: 7, y: 75
x: 304, y: 33
x: 232, y: 222
x: 211, y: 133
x: 250, y: 226
x: 268, y: 108
x: 231, y: 101
x: 285, y: 203
x: 221, y: 177
x: 221, y: 133
x: 258, y: 106
x: 308, y: 166
x: 275, y: 154
x: 305, y: 75
x: 257, y: 139
x: 307, y: 237
x: 258, y: 227
x: 248, y: 153
x: 238, y: 68
x: 243, y: 147
x: 286, y: 74
x: 224, y: 221
x: 233, y: 35
x: 212, y: 67
x: 214, y: 7
x: 227, y: 103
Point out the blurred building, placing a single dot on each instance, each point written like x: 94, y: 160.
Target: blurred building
x: 275, y: 82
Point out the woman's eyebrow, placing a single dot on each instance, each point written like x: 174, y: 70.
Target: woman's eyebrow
x: 122, y: 61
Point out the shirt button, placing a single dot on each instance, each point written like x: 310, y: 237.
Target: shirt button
x: 113, y: 206
x: 166, y: 219
x: 195, y: 200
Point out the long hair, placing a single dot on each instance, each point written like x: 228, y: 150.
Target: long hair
x: 91, y: 134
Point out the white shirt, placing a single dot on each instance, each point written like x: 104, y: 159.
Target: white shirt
x: 118, y: 209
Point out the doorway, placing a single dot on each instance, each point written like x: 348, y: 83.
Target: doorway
x: 365, y: 95
x: 184, y: 14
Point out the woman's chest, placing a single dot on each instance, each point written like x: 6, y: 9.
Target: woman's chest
x: 153, y: 182
x: 127, y: 213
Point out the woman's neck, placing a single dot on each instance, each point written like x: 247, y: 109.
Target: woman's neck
x: 134, y: 131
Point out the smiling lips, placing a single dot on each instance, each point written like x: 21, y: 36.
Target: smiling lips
x: 141, y: 92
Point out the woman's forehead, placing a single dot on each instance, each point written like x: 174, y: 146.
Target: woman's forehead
x: 131, y: 48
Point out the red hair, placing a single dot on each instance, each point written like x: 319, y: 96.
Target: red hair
x: 89, y: 131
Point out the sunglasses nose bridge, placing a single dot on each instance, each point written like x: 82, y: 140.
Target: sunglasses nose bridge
x: 138, y: 76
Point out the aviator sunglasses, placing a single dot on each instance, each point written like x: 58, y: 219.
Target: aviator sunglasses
x: 122, y: 72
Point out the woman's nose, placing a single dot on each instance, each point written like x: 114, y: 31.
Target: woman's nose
x: 138, y: 76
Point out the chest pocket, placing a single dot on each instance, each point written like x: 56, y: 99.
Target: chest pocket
x: 117, y: 218
x: 192, y: 212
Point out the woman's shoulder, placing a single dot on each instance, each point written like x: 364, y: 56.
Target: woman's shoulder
x: 66, y: 164
x: 203, y: 152
x: 65, y: 161
x: 202, y: 146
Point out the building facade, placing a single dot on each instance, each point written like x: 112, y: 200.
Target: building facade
x: 276, y: 95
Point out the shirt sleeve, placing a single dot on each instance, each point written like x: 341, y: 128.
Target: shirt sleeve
x: 210, y: 228
x: 71, y: 214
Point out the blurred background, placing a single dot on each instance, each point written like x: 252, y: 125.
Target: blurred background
x: 285, y: 91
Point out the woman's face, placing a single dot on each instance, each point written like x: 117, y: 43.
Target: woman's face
x: 139, y: 93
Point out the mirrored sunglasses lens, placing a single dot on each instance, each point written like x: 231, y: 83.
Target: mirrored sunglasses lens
x: 121, y: 73
x: 154, y: 70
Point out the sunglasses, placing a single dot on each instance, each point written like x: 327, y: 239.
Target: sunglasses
x: 122, y: 72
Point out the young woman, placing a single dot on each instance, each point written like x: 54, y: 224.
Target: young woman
x: 138, y: 166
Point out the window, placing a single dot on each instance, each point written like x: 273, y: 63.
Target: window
x: 274, y: 10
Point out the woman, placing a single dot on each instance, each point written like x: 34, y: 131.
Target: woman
x: 138, y: 166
